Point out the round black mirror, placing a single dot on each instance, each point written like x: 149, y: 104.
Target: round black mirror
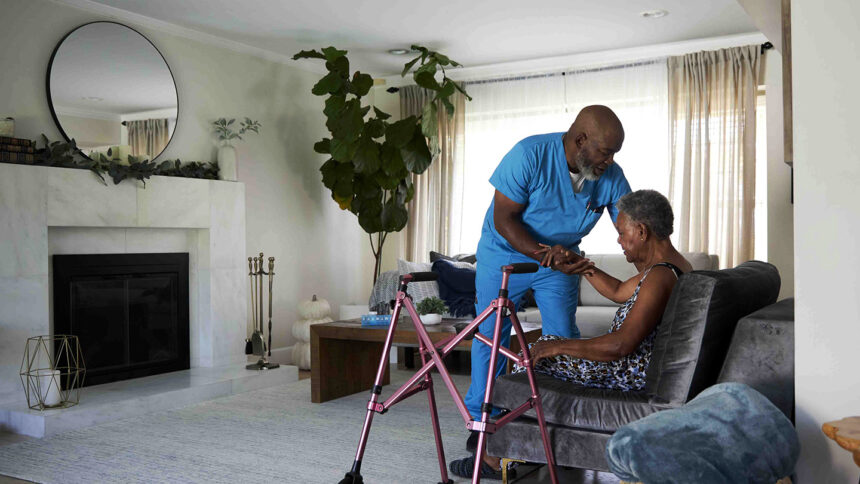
x: 109, y: 88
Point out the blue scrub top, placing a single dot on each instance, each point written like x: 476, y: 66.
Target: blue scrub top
x: 534, y: 173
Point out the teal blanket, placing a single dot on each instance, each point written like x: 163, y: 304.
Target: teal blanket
x: 728, y: 433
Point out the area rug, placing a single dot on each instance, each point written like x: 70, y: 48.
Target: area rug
x: 270, y: 435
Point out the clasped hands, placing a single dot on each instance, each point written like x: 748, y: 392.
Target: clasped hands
x: 562, y: 259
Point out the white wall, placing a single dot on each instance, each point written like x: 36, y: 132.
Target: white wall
x: 290, y: 215
x: 780, y: 210
x: 825, y: 69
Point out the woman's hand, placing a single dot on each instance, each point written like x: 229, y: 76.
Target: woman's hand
x: 583, y: 267
x: 544, y: 349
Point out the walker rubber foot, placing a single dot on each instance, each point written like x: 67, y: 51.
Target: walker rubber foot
x: 449, y: 481
x: 352, y: 478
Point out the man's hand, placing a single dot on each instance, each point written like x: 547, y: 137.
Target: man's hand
x: 556, y: 255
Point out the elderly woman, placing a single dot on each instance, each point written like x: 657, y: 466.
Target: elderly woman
x: 618, y: 359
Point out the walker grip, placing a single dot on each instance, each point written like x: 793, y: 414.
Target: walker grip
x: 419, y: 277
x: 521, y: 268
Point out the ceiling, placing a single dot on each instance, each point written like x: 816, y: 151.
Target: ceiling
x: 478, y: 32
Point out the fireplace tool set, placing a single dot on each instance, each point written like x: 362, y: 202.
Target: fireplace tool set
x: 258, y: 342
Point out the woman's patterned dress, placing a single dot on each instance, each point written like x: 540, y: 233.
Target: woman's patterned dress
x: 627, y: 373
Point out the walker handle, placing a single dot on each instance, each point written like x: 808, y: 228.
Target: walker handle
x: 521, y: 268
x: 419, y: 277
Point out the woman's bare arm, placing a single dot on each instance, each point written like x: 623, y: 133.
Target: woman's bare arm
x: 611, y: 288
x: 640, y: 321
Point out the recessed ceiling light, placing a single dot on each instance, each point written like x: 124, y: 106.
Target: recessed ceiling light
x: 93, y: 98
x: 653, y: 13
x: 398, y: 51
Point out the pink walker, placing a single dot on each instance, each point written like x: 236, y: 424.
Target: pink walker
x: 431, y: 356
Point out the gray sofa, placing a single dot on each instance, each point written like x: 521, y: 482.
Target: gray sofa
x: 693, y: 340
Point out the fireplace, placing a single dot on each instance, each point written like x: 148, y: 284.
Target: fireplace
x: 130, y: 312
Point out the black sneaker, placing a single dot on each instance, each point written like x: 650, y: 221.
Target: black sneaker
x: 472, y: 441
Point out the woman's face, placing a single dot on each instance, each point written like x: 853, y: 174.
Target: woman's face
x: 629, y: 236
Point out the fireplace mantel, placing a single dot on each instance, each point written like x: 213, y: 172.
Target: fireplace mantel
x: 34, y: 199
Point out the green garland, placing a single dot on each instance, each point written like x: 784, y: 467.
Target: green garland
x: 67, y: 155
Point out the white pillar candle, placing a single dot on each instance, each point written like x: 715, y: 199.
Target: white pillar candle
x: 49, y: 386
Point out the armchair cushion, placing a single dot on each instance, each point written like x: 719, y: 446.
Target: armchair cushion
x: 572, y: 405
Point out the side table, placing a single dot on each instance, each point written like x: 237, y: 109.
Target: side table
x: 846, y: 433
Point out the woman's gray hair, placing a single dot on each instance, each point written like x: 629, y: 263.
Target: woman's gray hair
x: 651, y: 208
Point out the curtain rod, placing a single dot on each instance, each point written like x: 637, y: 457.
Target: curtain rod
x: 765, y: 46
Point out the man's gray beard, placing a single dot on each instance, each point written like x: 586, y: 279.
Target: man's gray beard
x: 587, y: 171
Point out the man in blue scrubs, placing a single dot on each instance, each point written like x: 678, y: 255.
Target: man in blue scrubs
x: 551, y: 189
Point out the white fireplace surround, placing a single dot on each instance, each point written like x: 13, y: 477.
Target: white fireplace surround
x: 46, y: 211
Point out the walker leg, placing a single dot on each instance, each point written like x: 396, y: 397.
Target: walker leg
x: 354, y: 475
x: 487, y: 406
x: 434, y: 420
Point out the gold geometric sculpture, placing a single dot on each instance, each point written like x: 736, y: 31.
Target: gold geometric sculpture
x: 52, y: 371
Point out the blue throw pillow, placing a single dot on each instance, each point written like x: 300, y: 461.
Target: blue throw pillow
x: 456, y: 286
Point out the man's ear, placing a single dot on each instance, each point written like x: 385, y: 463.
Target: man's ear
x: 580, y: 139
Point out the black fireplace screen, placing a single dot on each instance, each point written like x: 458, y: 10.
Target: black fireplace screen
x: 130, y: 312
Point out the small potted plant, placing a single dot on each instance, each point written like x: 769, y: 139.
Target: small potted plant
x: 431, y: 310
x: 226, y: 152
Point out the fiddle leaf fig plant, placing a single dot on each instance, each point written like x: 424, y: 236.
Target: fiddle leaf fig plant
x: 371, y: 158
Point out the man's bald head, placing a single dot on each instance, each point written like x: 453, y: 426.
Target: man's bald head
x: 592, y: 141
x: 598, y: 121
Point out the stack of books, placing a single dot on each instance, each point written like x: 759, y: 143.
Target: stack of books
x: 16, y: 150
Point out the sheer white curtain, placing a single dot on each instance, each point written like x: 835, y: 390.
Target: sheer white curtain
x: 713, y: 151
x: 505, y: 111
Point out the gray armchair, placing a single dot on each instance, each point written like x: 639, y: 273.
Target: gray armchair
x: 691, y: 346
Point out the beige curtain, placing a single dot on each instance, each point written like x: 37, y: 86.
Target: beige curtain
x: 435, y: 208
x: 712, y: 103
x: 148, y: 137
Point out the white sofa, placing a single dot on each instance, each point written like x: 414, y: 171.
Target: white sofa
x: 594, y: 313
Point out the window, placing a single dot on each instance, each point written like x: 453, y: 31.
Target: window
x: 506, y: 111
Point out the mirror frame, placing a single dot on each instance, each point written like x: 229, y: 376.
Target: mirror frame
x: 51, y: 65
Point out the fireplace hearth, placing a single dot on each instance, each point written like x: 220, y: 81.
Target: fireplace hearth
x: 130, y: 312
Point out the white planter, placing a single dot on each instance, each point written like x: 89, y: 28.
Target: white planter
x: 431, y: 319
x: 227, y: 168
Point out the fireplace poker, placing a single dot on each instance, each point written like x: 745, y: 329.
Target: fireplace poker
x: 271, y: 273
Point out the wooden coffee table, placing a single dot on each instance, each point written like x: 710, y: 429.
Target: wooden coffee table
x: 345, y: 355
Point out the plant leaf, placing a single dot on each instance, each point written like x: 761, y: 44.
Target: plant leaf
x: 343, y: 151
x: 381, y: 114
x: 323, y: 146
x: 308, y: 54
x: 340, y: 66
x: 334, y: 105
x: 416, y: 154
x: 331, y: 53
x: 392, y: 160
x: 330, y: 84
x: 427, y: 80
x: 394, y: 216
x: 429, y: 120
x: 347, y: 126
x: 374, y: 128
x: 367, y: 156
x: 409, y: 65
x: 399, y: 133
x: 361, y: 84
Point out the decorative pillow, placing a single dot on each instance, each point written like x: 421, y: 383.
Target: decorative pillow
x: 384, y: 291
x: 418, y: 290
x: 457, y: 286
x: 434, y: 256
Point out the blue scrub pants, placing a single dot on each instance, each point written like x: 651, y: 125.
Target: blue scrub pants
x: 556, y: 295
